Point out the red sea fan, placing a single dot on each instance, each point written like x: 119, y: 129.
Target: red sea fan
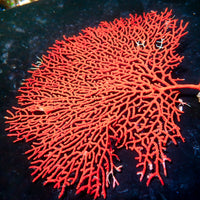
x: 108, y: 86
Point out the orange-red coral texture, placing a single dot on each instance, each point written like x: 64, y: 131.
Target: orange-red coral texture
x: 109, y: 87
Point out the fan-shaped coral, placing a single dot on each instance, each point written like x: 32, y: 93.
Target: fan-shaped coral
x: 108, y: 86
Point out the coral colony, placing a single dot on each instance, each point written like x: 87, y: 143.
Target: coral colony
x: 109, y: 87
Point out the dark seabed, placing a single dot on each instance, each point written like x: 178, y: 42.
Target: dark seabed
x: 27, y: 32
